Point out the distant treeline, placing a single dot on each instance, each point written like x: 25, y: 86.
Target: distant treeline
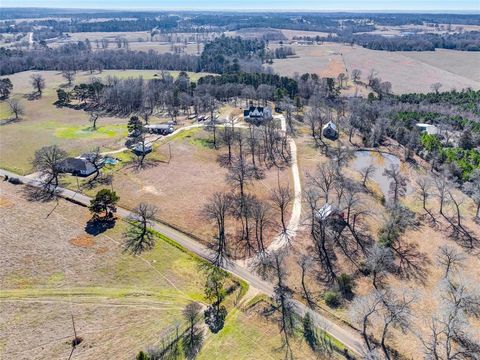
x: 84, y: 20
x: 467, y: 100
x: 467, y: 41
x: 76, y: 57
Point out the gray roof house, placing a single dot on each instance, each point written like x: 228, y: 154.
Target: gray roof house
x: 257, y: 114
x: 330, y: 131
x: 77, y: 166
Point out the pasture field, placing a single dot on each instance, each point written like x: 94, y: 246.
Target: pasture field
x: 51, y: 268
x: 46, y: 124
x: 407, y: 71
x: 183, y: 185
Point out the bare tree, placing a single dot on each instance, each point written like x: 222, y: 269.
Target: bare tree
x: 283, y: 300
x: 16, y: 108
x: 69, y: 76
x: 398, y: 185
x: 356, y: 74
x: 305, y: 263
x: 452, y: 335
x: 261, y: 216
x: 96, y: 159
x: 282, y: 197
x: 38, y: 83
x: 379, y: 262
x: 47, y: 161
x: 94, y: 115
x: 138, y: 237
x: 436, y: 87
x: 472, y: 188
x: 425, y: 189
x: 367, y: 173
x: 396, y: 312
x: 450, y: 259
x: 217, y: 209
x: 362, y: 310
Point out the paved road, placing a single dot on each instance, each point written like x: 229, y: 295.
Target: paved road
x: 347, y: 336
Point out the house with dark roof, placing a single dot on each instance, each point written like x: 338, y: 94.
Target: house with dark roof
x: 330, y: 131
x: 257, y: 114
x: 77, y: 166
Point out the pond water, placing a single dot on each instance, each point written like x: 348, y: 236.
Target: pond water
x: 381, y: 162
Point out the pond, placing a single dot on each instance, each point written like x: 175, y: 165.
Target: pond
x: 381, y: 161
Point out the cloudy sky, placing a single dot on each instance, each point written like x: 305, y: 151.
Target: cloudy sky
x: 327, y: 5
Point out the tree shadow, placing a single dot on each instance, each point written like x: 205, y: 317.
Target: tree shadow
x: 96, y: 226
x: 39, y: 194
x: 33, y: 96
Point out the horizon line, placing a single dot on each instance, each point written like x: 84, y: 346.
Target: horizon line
x: 139, y: 9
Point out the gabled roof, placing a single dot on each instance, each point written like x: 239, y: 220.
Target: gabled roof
x: 330, y: 125
x: 75, y: 164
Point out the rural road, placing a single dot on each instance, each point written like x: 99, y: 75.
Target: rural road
x: 349, y: 337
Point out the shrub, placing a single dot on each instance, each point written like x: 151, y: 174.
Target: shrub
x: 345, y: 285
x: 332, y: 299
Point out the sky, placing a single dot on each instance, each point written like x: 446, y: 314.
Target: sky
x: 318, y: 5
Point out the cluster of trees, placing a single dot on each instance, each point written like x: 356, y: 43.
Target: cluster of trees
x: 248, y: 153
x: 222, y: 54
x: 466, y: 99
x: 77, y: 57
x: 467, y: 41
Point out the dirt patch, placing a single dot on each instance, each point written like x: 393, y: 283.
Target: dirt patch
x: 5, y: 203
x: 101, y: 250
x: 83, y: 241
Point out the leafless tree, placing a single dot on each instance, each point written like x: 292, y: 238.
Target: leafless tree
x: 138, y: 237
x: 93, y: 119
x: 425, y: 191
x: 450, y: 259
x: 472, y: 188
x: 38, y: 83
x: 362, y: 310
x: 398, y: 185
x: 356, y: 74
x: 379, y: 262
x: 396, y: 312
x: 367, y: 173
x: 324, y: 178
x: 47, y: 162
x: 217, y: 210
x: 16, y: 108
x: 282, y: 197
x: 261, y: 215
x: 306, y: 263
x: 283, y: 301
x: 96, y: 159
x: 69, y: 76
x: 436, y: 87
x: 451, y: 334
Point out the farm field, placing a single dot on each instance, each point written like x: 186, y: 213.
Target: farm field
x: 407, y: 71
x: 182, y: 186
x: 120, y: 303
x: 46, y: 124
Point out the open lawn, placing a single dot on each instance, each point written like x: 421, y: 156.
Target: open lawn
x: 46, y: 124
x: 407, y: 71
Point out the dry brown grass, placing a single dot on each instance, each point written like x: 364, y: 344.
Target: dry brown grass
x: 84, y: 241
x: 407, y: 71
